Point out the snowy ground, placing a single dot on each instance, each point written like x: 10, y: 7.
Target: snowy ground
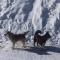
x: 48, y: 53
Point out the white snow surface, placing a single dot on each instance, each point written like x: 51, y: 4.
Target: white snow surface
x: 49, y: 53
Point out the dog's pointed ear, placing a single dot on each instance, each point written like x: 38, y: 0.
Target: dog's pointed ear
x: 5, y: 31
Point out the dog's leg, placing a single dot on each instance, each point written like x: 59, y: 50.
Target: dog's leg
x: 24, y: 40
x: 43, y: 44
x: 34, y: 43
x: 37, y: 42
x: 23, y: 44
x: 13, y: 45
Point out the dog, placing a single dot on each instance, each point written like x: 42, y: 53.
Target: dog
x: 16, y: 37
x: 36, y: 35
x: 41, y: 39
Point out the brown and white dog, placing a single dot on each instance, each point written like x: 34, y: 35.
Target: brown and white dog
x: 41, y: 39
x: 16, y: 37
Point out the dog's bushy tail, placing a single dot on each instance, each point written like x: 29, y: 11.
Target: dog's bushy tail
x: 26, y: 32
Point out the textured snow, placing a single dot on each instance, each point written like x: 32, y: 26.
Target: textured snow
x: 49, y: 53
x: 19, y: 16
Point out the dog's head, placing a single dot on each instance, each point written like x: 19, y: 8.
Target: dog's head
x: 7, y: 33
x: 48, y: 35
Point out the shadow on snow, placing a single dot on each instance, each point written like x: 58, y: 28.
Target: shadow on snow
x: 41, y: 51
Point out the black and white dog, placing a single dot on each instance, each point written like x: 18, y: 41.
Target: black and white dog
x: 41, y: 39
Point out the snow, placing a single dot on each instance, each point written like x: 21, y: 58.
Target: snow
x: 49, y: 53
x: 36, y: 14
